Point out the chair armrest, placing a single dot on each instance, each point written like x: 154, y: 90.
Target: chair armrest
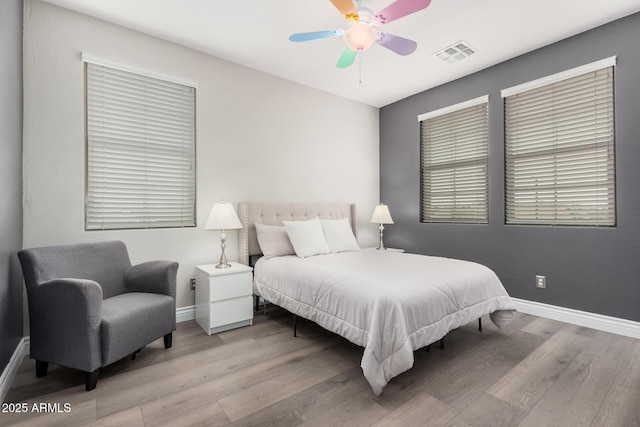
x: 78, y: 300
x: 157, y: 277
x: 65, y: 317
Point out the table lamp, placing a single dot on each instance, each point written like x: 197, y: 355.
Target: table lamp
x: 381, y: 216
x: 223, y: 217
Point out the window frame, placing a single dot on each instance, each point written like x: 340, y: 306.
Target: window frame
x: 455, y: 215
x: 565, y: 155
x: 178, y: 173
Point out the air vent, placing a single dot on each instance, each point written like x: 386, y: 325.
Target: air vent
x: 455, y: 52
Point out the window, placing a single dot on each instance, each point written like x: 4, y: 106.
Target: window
x: 454, y: 145
x: 559, y: 149
x: 140, y: 164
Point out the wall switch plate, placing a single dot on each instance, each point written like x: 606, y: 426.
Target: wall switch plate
x: 193, y: 283
x: 541, y: 282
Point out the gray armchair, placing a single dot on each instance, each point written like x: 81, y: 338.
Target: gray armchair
x: 88, y: 307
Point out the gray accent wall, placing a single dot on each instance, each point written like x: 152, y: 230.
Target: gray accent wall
x: 591, y: 269
x: 10, y: 177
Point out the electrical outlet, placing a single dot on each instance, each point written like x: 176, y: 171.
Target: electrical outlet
x: 541, y: 282
x: 193, y: 283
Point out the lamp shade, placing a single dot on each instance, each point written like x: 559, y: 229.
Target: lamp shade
x: 360, y: 36
x: 223, y: 217
x: 381, y: 215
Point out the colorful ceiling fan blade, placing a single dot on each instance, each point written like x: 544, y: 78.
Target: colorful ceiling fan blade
x: 315, y: 35
x: 347, y: 58
x: 346, y: 8
x: 398, y: 9
x: 397, y: 44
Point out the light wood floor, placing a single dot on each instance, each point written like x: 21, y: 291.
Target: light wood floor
x: 536, y: 372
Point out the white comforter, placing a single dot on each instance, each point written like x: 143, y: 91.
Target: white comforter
x: 390, y: 303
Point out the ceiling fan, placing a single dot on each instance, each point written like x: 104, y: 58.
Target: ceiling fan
x: 362, y: 32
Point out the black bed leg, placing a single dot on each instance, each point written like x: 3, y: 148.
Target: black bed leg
x: 168, y: 340
x: 442, y: 342
x: 41, y: 368
x: 295, y: 325
x: 256, y: 302
x: 133, y: 355
x: 480, y: 324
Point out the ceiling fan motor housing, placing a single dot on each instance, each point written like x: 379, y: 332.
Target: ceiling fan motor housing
x: 361, y: 35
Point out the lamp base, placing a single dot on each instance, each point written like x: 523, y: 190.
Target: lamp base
x: 381, y: 245
x: 224, y: 264
x: 223, y: 258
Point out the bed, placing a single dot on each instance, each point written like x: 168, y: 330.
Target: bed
x: 389, y: 302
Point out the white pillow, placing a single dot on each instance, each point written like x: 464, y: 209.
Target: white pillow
x: 307, y: 237
x: 339, y: 235
x: 273, y: 240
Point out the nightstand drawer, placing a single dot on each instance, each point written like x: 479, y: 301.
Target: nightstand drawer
x: 231, y: 311
x: 234, y: 285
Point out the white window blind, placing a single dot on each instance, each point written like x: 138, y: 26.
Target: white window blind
x: 140, y: 136
x: 454, y: 144
x: 559, y: 152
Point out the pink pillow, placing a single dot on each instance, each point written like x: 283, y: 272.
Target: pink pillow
x: 273, y: 240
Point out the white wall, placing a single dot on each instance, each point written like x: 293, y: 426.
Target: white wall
x: 258, y: 138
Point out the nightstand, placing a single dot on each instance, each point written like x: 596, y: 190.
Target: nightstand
x: 224, y: 297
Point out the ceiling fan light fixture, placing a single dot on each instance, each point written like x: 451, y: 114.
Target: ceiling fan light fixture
x: 360, y: 36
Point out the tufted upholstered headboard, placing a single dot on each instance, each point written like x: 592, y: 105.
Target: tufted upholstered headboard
x: 274, y: 213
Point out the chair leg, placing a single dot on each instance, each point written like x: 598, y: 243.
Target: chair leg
x: 41, y: 368
x: 168, y: 340
x: 91, y: 379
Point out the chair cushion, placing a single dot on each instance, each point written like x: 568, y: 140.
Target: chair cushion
x: 133, y: 320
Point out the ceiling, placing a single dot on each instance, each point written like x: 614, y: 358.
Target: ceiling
x: 254, y: 33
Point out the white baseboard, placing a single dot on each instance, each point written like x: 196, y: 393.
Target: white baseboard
x: 627, y: 328
x: 12, y: 368
x: 184, y: 314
